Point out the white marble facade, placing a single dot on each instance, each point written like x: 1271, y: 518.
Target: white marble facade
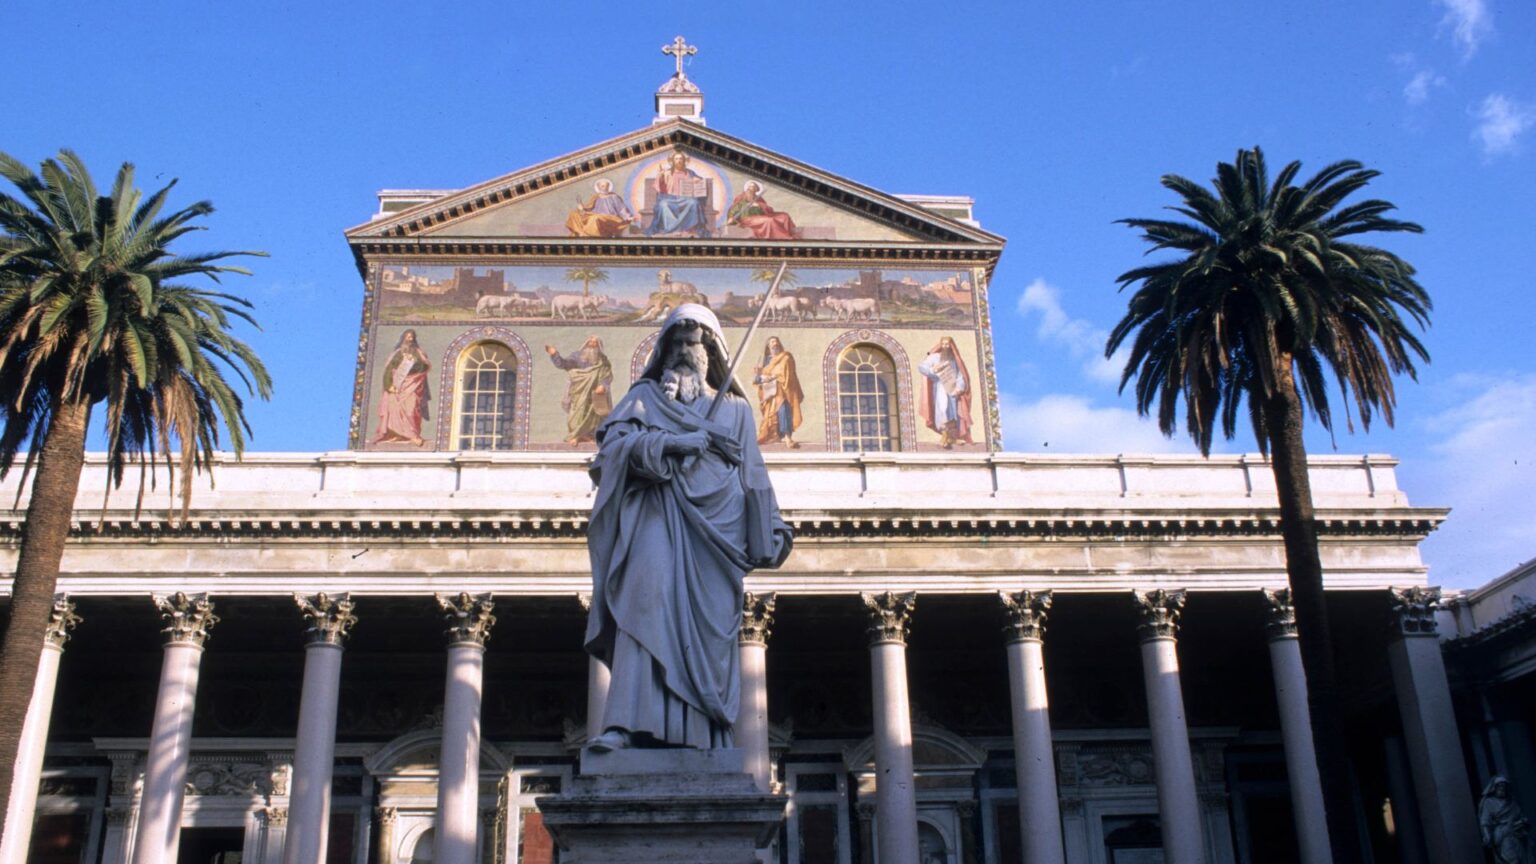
x: 946, y: 528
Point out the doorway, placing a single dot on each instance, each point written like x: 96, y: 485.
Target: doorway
x: 211, y: 846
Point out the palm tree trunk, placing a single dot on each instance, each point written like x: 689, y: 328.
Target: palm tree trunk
x: 49, y: 513
x: 1304, y: 568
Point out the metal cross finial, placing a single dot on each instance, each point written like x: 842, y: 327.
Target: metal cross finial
x: 679, y: 49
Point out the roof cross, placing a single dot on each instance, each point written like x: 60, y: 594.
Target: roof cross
x: 679, y: 49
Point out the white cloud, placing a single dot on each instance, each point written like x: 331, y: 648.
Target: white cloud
x: 1083, y: 340
x: 1469, y: 22
x: 1066, y: 423
x: 1500, y: 123
x: 1421, y: 85
x: 1482, y: 464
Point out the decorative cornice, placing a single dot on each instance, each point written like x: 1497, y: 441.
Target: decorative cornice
x: 572, y: 525
x: 757, y: 617
x: 188, y: 617
x: 1413, y: 610
x: 890, y: 615
x: 60, y: 621
x: 330, y: 619
x: 1279, y: 614
x: 1518, y: 624
x: 469, y: 617
x: 1026, y: 611
x: 1159, y: 611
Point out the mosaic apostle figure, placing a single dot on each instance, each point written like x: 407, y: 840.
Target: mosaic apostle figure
x: 407, y: 398
x: 604, y: 214
x: 588, y: 389
x: 752, y: 212
x: 684, y: 510
x: 778, y: 395
x: 946, y: 402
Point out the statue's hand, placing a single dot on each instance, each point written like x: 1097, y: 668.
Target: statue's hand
x: 688, y: 443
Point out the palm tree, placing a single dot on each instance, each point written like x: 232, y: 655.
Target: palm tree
x: 789, y: 281
x: 91, y: 312
x: 586, y: 276
x: 1267, y: 298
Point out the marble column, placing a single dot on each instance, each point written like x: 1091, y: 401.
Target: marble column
x: 458, y: 780
x: 752, y: 721
x: 1296, y: 729
x: 1429, y: 728
x: 890, y: 615
x: 1033, y: 751
x: 188, y: 620
x: 1178, y: 805
x: 314, y: 752
x: 384, y: 849
x: 598, y: 675
x: 34, y: 735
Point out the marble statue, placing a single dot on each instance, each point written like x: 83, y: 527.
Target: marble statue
x: 684, y: 509
x: 1506, y: 831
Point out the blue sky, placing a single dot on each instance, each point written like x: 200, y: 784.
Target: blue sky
x: 1057, y: 118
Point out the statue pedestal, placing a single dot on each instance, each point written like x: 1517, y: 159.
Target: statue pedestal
x: 662, y: 806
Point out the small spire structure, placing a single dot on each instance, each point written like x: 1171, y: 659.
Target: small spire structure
x: 678, y: 97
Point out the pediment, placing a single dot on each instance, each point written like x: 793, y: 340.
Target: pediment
x: 675, y: 181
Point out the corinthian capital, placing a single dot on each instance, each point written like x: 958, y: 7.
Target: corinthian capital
x: 757, y: 617
x: 188, y: 617
x: 1279, y: 614
x: 469, y: 617
x: 60, y: 621
x: 1026, y: 611
x: 1159, y: 611
x: 330, y: 618
x: 1413, y: 610
x: 890, y: 615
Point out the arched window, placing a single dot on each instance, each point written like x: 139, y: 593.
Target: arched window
x: 866, y: 400
x: 483, y: 415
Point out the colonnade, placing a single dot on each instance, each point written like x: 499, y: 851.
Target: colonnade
x: 1417, y: 669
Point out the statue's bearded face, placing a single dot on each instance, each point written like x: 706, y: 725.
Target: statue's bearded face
x: 687, y: 363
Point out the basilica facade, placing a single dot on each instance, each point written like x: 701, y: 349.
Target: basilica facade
x: 1087, y: 659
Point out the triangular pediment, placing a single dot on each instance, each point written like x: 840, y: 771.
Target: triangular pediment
x: 678, y: 181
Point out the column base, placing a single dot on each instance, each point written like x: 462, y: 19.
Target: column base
x: 662, y: 805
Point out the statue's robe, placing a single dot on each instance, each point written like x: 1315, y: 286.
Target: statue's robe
x: 671, y: 539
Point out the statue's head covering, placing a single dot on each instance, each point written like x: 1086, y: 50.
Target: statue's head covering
x: 714, y: 343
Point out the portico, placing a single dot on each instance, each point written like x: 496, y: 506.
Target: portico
x: 963, y: 751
